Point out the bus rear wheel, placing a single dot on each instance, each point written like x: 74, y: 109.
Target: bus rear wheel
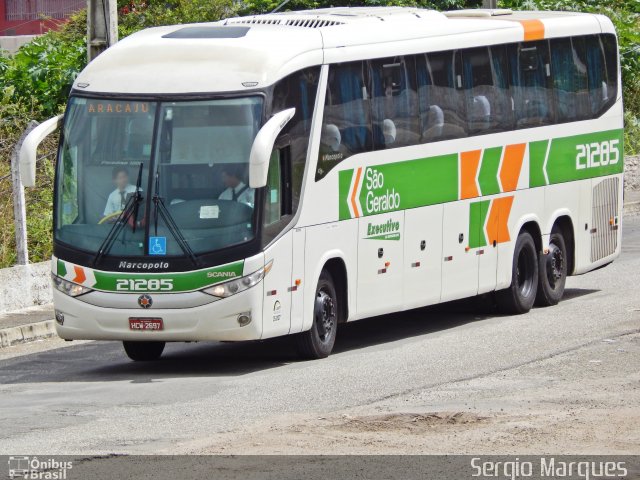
x: 318, y: 341
x: 553, y: 272
x: 143, y: 351
x: 521, y: 295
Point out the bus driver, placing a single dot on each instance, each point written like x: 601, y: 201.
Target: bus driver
x: 236, y: 189
x: 118, y: 198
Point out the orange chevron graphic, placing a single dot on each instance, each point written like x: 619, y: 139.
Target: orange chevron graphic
x: 511, y: 166
x: 533, y: 30
x: 497, y: 228
x: 469, y: 163
x: 80, y: 276
x: 354, y: 203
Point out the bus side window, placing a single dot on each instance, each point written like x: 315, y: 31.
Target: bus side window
x: 394, y: 107
x: 611, y: 58
x: 569, y: 73
x: 299, y: 91
x: 530, y: 84
x: 486, y: 89
x: 602, y: 78
x: 346, y: 127
x: 441, y: 104
x: 273, y: 198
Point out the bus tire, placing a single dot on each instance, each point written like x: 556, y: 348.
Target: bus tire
x: 143, y: 351
x: 521, y: 295
x: 552, y: 270
x: 318, y: 341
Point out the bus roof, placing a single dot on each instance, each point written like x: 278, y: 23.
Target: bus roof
x: 255, y: 51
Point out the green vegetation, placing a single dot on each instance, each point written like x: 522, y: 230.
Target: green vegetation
x: 35, y: 82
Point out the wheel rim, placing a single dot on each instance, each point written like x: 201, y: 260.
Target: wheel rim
x: 555, y: 265
x: 524, y: 273
x: 325, y: 315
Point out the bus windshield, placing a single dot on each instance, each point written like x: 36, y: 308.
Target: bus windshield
x: 190, y: 159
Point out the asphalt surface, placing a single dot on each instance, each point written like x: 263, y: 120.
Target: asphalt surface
x: 88, y: 398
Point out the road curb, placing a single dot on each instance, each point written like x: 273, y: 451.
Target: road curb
x: 27, y: 333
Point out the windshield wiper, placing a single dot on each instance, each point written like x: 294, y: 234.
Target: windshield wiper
x: 160, y: 209
x: 130, y: 209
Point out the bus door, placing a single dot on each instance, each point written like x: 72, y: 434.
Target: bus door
x: 276, y: 315
x: 380, y: 263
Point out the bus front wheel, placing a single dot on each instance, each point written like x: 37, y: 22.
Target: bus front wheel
x: 143, y: 351
x: 318, y: 341
x: 521, y: 295
x: 552, y: 272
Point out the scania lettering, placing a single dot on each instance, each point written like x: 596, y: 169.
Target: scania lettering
x: 285, y: 173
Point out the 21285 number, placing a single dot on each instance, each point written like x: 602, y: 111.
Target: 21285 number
x: 144, y: 285
x: 597, y: 154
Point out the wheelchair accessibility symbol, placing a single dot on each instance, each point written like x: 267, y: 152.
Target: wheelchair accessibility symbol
x: 157, y: 245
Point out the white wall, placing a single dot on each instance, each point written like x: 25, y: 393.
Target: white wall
x: 25, y: 286
x: 13, y: 43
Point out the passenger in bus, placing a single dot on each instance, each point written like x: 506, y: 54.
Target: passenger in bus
x: 118, y: 198
x: 236, y: 190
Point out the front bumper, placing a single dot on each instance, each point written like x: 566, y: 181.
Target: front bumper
x: 217, y: 320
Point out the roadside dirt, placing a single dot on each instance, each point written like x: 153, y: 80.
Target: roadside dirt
x: 632, y: 173
x: 583, y: 401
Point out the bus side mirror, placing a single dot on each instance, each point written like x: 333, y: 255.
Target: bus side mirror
x: 263, y: 146
x: 29, y: 149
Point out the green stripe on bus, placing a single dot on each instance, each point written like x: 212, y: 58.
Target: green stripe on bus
x: 62, y: 268
x: 181, y: 281
x: 537, y: 153
x: 576, y: 158
x: 401, y: 185
x: 477, y: 217
x: 488, y: 176
x: 344, y: 182
x: 603, y: 155
x: 428, y: 181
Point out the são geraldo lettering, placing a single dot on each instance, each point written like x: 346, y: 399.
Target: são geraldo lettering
x: 383, y: 202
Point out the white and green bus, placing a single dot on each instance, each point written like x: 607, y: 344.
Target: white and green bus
x: 284, y: 173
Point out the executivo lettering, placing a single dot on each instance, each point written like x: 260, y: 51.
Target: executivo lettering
x: 389, y: 230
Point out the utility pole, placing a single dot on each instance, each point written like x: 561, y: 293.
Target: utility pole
x: 102, y: 26
x: 19, y: 203
x: 493, y: 4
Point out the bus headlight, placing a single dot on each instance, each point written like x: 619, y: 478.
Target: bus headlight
x: 237, y: 285
x: 68, y: 288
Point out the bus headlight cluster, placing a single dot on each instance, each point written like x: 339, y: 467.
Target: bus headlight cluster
x: 237, y: 285
x: 68, y: 288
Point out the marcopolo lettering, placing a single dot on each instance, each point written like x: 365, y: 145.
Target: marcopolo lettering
x: 143, y: 265
x: 378, y: 198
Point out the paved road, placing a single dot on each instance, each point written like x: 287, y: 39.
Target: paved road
x: 87, y: 397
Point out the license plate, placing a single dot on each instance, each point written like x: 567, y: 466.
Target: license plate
x: 145, y: 323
